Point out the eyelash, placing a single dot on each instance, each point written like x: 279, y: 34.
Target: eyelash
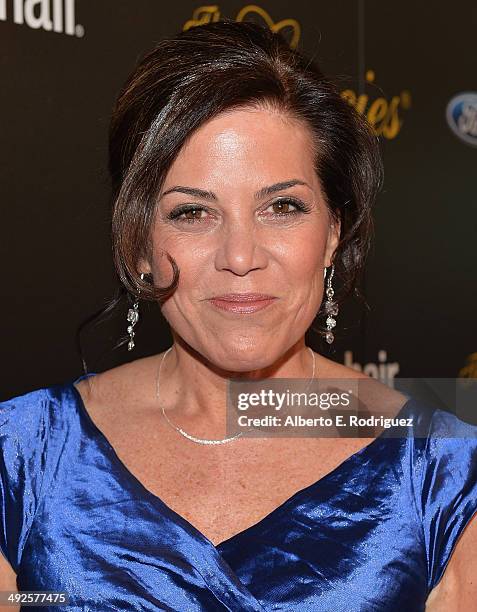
x: 175, y: 214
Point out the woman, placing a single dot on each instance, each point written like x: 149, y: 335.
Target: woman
x: 237, y: 169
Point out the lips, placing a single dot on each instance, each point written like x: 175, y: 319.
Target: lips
x: 242, y: 303
x: 243, y: 297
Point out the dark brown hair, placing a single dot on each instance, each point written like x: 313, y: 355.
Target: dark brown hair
x: 190, y: 78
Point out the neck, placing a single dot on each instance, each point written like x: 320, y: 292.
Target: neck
x: 194, y: 391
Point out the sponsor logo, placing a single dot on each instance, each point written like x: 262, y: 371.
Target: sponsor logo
x: 469, y: 370
x: 383, y: 114
x: 383, y: 371
x: 49, y: 15
x: 207, y: 14
x: 461, y: 114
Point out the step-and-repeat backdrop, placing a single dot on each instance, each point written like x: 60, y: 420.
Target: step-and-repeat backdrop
x: 410, y: 67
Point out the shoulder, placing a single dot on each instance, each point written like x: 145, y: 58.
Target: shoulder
x: 446, y: 446
x: 374, y: 396
x: 29, y: 416
x: 19, y: 413
x: 448, y: 442
x: 449, y: 487
x: 28, y: 420
x: 25, y: 425
x: 327, y: 368
x: 445, y: 486
x: 449, y: 425
x: 123, y: 380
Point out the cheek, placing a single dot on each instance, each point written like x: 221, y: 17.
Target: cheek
x: 303, y: 254
x: 184, y: 253
x: 194, y: 266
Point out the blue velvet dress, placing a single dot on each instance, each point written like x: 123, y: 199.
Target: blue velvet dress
x: 375, y: 534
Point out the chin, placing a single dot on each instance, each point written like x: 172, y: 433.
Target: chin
x: 243, y: 357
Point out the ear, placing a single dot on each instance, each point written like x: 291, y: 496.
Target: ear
x: 332, y: 242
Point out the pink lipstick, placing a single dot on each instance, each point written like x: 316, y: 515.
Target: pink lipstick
x: 243, y: 303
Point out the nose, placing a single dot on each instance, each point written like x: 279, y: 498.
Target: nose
x: 241, y: 250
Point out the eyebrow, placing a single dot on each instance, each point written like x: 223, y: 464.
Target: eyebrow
x: 209, y: 195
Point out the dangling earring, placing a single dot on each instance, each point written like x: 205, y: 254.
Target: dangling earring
x: 331, y: 307
x: 133, y: 318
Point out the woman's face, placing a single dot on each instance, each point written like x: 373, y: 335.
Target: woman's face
x: 242, y: 211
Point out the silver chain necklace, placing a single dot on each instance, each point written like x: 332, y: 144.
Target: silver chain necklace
x: 204, y: 440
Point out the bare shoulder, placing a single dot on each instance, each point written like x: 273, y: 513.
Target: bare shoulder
x: 130, y: 380
x: 372, y: 392
x: 327, y: 368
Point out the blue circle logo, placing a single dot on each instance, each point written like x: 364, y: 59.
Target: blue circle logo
x: 461, y: 114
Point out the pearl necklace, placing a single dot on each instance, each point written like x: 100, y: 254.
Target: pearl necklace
x: 204, y: 440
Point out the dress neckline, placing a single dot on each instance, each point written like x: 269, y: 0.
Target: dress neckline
x: 182, y: 520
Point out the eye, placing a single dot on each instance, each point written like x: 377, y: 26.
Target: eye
x: 282, y: 207
x: 187, y: 213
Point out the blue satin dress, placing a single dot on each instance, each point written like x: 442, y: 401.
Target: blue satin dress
x: 375, y: 534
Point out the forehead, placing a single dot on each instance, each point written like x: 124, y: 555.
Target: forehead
x: 246, y: 146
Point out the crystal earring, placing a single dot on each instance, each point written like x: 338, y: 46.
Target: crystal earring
x: 331, y: 307
x: 133, y: 318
